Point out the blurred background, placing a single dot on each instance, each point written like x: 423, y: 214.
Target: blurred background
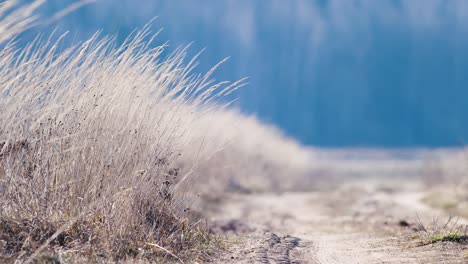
x: 330, y: 73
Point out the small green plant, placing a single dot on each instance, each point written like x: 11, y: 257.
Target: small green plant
x: 451, y: 231
x: 450, y: 237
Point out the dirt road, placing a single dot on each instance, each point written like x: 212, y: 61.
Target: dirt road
x: 359, y: 220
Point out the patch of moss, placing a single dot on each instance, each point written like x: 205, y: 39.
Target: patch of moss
x: 450, y: 237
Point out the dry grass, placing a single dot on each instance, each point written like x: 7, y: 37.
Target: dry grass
x: 239, y: 153
x: 102, y: 147
x: 89, y: 136
x: 449, y: 231
x: 446, y: 179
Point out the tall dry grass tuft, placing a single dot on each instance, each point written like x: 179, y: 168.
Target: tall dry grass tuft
x: 101, y: 144
x: 88, y: 141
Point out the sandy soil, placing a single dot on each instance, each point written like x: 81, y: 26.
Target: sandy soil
x: 357, y: 219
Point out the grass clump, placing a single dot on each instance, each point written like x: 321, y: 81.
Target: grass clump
x: 89, y: 142
x: 451, y: 231
x: 103, y: 147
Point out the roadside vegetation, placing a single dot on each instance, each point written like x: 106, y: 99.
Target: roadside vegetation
x: 446, y: 185
x: 104, y: 148
x: 437, y: 232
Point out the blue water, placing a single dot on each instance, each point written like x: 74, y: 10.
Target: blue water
x: 387, y: 73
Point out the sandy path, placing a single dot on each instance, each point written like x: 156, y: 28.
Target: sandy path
x: 360, y: 221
